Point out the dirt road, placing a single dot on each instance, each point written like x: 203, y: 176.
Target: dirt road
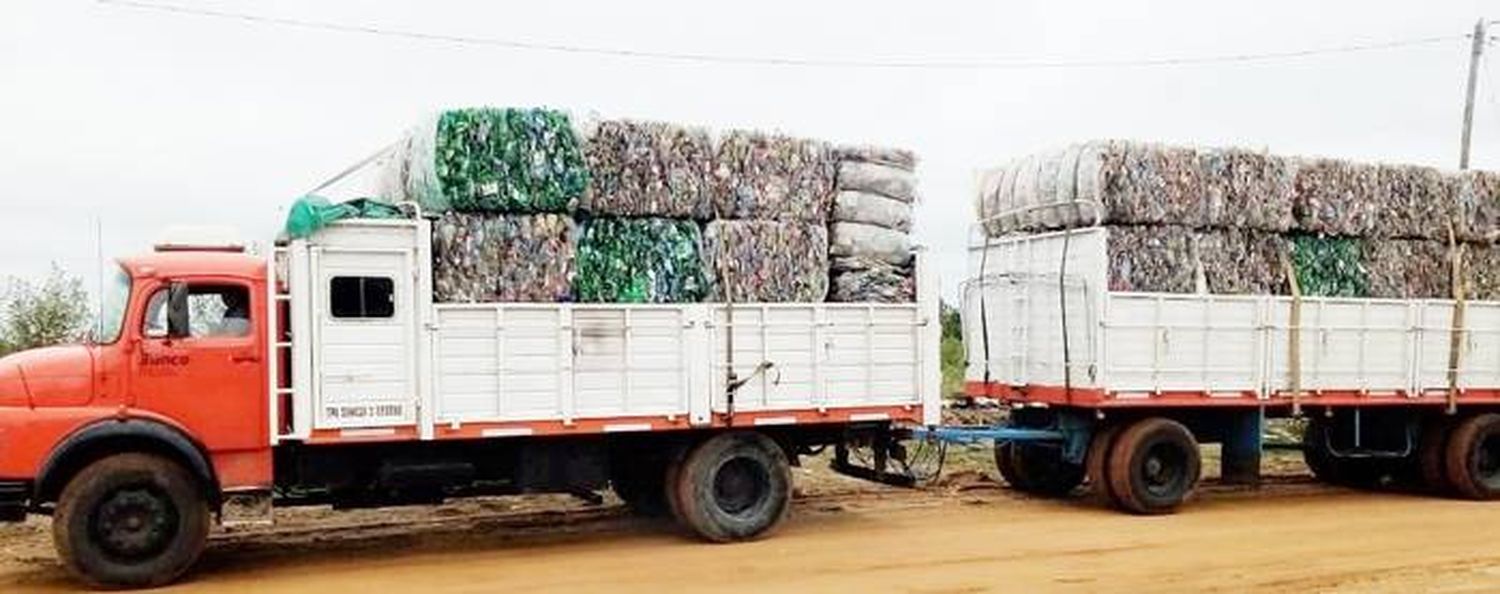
x: 1290, y: 536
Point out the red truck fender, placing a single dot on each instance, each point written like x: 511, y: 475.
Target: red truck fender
x: 113, y: 436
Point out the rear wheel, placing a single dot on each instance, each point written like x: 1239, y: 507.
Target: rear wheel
x: 735, y: 486
x: 1096, y: 464
x: 1004, y: 462
x: 1042, y: 469
x: 1472, y: 457
x: 1431, y: 455
x: 130, y: 520
x: 1153, y: 466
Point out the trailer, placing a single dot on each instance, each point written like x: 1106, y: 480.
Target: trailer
x: 221, y: 385
x: 1117, y: 390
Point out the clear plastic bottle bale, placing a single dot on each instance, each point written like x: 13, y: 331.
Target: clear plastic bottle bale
x: 1242, y: 261
x: 502, y: 258
x: 1337, y: 197
x: 489, y: 160
x: 858, y: 240
x: 772, y: 177
x: 1481, y: 272
x: 1408, y: 268
x: 651, y: 260
x: 648, y: 169
x: 1416, y: 202
x: 766, y: 261
x: 861, y: 280
x: 875, y: 178
x: 1245, y: 189
x: 893, y: 157
x: 1152, y: 259
x: 1478, y: 205
x: 872, y: 209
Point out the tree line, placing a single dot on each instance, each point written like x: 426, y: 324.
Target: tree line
x: 43, y: 312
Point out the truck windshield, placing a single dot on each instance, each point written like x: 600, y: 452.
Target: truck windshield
x: 112, y: 307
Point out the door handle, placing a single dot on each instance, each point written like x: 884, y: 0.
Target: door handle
x: 244, y: 359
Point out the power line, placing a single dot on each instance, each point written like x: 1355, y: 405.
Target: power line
x: 748, y: 60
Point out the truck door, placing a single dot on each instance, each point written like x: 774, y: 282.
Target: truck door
x: 212, y: 380
x: 365, y: 353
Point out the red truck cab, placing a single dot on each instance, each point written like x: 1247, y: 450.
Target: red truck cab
x: 174, y: 370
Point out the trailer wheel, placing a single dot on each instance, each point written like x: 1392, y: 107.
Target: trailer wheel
x: 1473, y: 457
x: 1005, y: 463
x: 130, y: 520
x: 1153, y: 466
x: 1096, y: 464
x: 735, y: 486
x: 1431, y: 456
x: 1041, y: 469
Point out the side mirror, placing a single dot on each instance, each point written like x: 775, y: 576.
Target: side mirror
x: 177, y: 310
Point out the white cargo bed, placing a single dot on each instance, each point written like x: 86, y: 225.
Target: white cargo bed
x: 436, y: 371
x: 1126, y: 348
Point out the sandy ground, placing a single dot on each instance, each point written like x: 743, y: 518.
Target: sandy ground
x: 966, y: 536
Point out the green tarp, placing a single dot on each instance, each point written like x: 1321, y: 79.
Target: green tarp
x: 311, y: 213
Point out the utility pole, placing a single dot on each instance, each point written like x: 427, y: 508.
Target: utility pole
x: 1478, y: 51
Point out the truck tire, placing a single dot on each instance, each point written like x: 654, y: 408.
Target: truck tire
x: 1154, y: 466
x: 1432, y: 456
x: 1096, y: 464
x: 1473, y: 457
x: 1005, y: 464
x: 733, y: 487
x: 669, y: 485
x: 1041, y: 469
x: 130, y: 520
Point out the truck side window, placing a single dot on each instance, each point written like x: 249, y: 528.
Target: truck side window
x: 362, y: 297
x: 214, y: 311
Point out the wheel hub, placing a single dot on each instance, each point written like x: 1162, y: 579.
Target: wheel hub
x: 739, y: 485
x: 1163, y: 469
x: 134, y: 523
x: 1488, y: 461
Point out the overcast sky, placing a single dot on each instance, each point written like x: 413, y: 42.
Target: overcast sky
x: 147, y: 119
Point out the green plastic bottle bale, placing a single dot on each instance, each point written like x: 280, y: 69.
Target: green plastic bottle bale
x: 640, y: 261
x: 490, y: 160
x: 1330, y: 266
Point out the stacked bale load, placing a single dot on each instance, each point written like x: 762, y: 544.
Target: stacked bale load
x: 502, y: 182
x: 531, y: 208
x: 1185, y: 220
x: 771, y: 197
x: 871, y: 225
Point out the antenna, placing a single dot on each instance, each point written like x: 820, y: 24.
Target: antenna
x: 99, y: 274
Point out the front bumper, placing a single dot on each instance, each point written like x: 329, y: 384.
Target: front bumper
x: 14, y: 496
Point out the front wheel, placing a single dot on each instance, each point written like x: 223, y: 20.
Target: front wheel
x: 735, y: 486
x: 130, y: 520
